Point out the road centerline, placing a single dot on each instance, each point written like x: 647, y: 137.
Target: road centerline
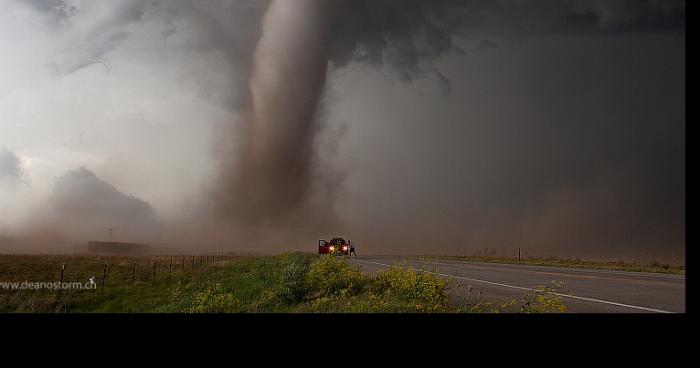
x: 533, y: 290
x: 630, y: 277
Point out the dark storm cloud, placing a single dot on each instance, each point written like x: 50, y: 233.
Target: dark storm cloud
x: 95, y: 41
x: 79, y: 192
x: 220, y: 30
x: 11, y: 171
x: 212, y: 28
x: 579, y: 154
x: 406, y: 36
x: 406, y: 33
x: 60, y: 10
x: 57, y: 9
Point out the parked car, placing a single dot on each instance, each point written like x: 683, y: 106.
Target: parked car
x: 336, y: 246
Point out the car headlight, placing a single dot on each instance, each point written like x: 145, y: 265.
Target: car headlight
x: 345, y: 248
x: 332, y: 249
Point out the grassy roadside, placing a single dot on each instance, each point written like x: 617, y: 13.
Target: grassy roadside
x: 568, y: 263
x: 287, y: 283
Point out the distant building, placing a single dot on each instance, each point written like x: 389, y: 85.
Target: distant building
x: 100, y: 247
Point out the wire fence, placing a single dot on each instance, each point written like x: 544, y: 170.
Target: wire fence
x: 79, y: 273
x: 152, y: 269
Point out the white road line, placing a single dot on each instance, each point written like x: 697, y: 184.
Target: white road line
x: 568, y: 269
x: 531, y: 289
x: 572, y: 272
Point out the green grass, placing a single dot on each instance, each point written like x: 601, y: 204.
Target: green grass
x: 127, y: 289
x: 654, y: 267
x: 287, y: 283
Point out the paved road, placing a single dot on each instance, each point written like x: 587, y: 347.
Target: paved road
x: 594, y: 291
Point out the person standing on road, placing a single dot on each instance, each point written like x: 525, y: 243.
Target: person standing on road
x: 352, y: 249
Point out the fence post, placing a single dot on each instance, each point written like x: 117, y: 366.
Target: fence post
x: 519, y: 259
x: 170, y: 270
x: 155, y: 263
x: 60, y: 281
x: 133, y: 274
x: 104, y: 275
x: 193, y: 262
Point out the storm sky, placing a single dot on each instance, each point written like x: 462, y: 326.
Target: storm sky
x: 448, y: 126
